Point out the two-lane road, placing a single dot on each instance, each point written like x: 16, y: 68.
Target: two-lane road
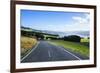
x: 45, y: 51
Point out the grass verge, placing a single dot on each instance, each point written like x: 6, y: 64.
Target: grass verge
x: 27, y: 43
x: 72, y: 46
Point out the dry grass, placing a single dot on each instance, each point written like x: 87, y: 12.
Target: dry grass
x: 27, y: 44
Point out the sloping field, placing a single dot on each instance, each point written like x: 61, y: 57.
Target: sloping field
x: 27, y: 43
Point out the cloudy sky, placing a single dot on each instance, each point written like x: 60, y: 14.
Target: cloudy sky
x: 55, y: 21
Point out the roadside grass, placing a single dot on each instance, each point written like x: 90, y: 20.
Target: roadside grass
x: 27, y: 43
x: 72, y: 46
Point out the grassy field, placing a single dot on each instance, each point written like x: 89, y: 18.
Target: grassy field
x: 85, y: 41
x: 72, y: 46
x: 27, y: 44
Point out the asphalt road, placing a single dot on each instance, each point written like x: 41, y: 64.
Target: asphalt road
x: 45, y: 51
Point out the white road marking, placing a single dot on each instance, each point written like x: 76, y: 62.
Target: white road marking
x: 49, y: 53
x: 72, y: 54
x: 31, y: 51
x: 69, y: 53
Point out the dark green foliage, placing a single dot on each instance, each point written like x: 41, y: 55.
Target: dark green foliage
x: 26, y: 33
x: 73, y: 38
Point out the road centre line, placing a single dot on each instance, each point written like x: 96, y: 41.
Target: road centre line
x: 49, y: 53
x: 30, y: 51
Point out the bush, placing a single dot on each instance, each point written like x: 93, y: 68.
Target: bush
x: 73, y: 38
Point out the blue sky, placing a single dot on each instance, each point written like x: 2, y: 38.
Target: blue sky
x: 55, y: 21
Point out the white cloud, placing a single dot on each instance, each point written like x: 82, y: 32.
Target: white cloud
x: 81, y: 20
x: 80, y: 23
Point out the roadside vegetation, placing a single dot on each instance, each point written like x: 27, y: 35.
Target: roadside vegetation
x: 73, y: 43
x: 27, y: 43
x: 72, y: 46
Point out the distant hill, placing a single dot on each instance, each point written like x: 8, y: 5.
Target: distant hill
x: 38, y: 31
x: 67, y: 33
x: 61, y: 34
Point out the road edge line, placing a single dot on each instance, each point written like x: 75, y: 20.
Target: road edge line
x: 30, y: 51
x: 72, y: 54
x: 68, y: 52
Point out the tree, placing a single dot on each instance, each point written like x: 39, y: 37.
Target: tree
x: 73, y: 38
x: 39, y: 36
